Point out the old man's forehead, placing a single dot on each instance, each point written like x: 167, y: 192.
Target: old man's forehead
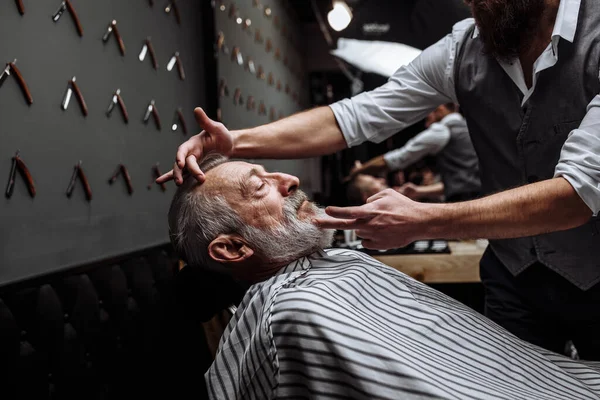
x: 233, y: 169
x: 230, y: 174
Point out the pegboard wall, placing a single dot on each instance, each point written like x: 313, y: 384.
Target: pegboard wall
x: 262, y: 78
x: 51, y: 231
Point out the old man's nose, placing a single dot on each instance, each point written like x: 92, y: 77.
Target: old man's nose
x: 287, y: 184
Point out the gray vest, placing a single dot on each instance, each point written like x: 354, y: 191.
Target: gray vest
x: 457, y: 161
x: 519, y: 145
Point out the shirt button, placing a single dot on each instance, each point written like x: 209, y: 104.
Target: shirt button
x: 532, y: 178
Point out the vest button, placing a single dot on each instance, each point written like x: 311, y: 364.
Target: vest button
x: 532, y: 178
x: 532, y: 251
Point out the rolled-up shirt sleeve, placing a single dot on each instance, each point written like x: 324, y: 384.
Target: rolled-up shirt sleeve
x: 408, y: 96
x: 579, y: 161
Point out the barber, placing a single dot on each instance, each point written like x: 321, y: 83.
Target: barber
x: 447, y: 138
x: 527, y: 78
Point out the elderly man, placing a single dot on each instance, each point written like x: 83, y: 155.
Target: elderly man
x: 337, y: 323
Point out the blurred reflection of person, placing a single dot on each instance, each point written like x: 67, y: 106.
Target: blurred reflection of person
x: 446, y: 138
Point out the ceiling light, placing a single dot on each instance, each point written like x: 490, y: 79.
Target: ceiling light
x: 340, y: 16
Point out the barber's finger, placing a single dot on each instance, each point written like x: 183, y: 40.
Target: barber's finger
x: 177, y: 174
x: 182, y: 153
x: 334, y: 223
x: 362, y: 234
x: 377, y: 196
x: 372, y: 245
x: 350, y: 212
x: 366, y: 243
x: 191, y: 163
x: 165, y: 177
x: 205, y: 123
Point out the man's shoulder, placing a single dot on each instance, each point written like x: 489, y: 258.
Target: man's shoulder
x: 338, y: 271
x: 259, y: 298
x: 338, y: 281
x: 353, y: 254
x: 460, y: 29
x: 463, y: 26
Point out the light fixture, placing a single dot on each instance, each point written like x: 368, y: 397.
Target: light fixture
x: 340, y: 16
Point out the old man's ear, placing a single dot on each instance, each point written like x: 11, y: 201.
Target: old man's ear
x: 229, y: 248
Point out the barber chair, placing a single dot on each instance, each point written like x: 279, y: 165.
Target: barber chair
x: 113, y: 332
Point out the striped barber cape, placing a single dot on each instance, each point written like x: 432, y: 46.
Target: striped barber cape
x: 341, y: 325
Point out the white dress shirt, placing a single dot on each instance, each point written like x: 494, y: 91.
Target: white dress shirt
x: 427, y: 143
x: 341, y: 325
x: 416, y: 89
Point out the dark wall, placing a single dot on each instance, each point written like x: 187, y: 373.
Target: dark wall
x: 417, y: 23
x: 52, y: 232
x: 284, y: 61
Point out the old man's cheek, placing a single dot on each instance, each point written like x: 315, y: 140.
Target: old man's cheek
x: 263, y: 216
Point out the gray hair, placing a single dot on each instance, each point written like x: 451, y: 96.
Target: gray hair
x: 196, y: 218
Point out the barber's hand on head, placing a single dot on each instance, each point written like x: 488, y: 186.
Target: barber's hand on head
x: 388, y: 220
x: 214, y: 138
x: 410, y: 190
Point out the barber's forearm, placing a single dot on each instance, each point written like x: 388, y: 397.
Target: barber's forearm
x: 307, y: 134
x: 542, y: 207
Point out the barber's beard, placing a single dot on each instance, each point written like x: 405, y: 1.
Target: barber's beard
x: 506, y: 27
x: 293, y: 239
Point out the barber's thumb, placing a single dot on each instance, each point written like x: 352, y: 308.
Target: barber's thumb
x: 203, y: 120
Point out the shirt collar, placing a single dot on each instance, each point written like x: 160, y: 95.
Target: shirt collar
x: 300, y: 264
x: 565, y: 24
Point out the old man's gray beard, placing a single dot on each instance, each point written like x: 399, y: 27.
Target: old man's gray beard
x: 293, y: 239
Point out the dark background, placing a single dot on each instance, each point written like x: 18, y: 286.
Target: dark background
x: 285, y: 33
x: 52, y: 232
x: 109, y: 315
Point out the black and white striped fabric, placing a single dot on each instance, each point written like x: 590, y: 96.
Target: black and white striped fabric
x: 341, y: 325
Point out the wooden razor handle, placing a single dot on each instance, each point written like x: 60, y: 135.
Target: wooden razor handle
x: 127, y: 178
x: 82, y: 104
x: 180, y: 68
x: 156, y: 117
x: 119, y: 39
x: 75, y: 17
x: 152, y: 53
x: 86, y: 185
x: 22, y: 82
x: 123, y: 108
x: 182, y: 122
x: 20, y: 6
x: 26, y: 175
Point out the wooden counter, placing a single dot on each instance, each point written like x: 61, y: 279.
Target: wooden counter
x: 460, y: 266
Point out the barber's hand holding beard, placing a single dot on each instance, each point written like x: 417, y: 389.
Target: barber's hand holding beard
x: 388, y: 220
x: 214, y: 137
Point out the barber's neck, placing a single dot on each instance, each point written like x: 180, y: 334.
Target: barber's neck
x: 542, y: 36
